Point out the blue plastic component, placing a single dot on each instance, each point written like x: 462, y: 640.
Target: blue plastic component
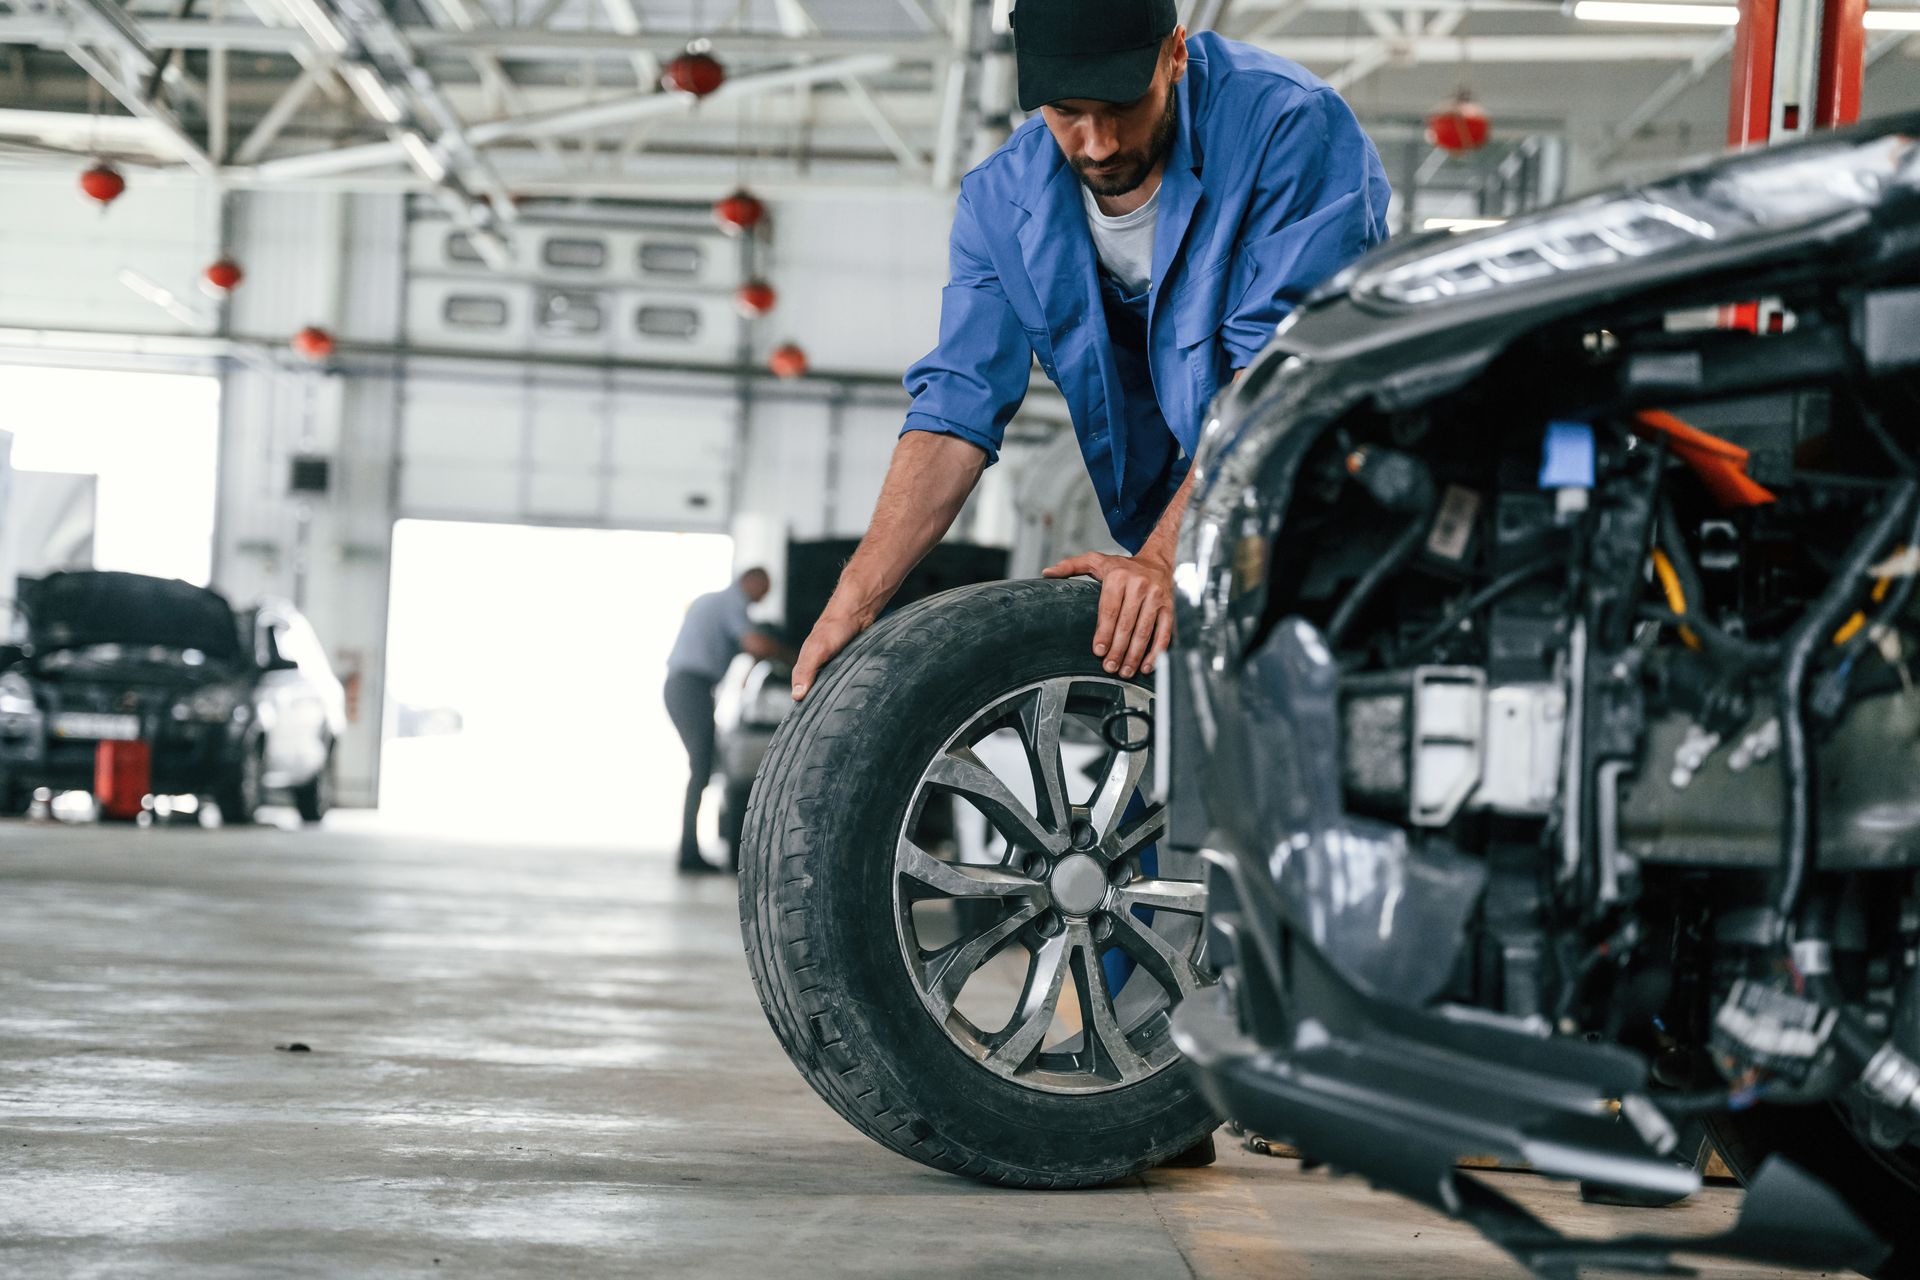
x: 1566, y: 456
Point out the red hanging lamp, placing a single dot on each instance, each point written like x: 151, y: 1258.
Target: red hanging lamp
x: 695, y: 72
x: 222, y: 276
x: 787, y: 361
x: 1459, y: 126
x: 739, y: 213
x: 754, y: 298
x: 102, y: 184
x: 313, y: 342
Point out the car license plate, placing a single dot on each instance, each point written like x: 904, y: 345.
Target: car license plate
x: 104, y: 728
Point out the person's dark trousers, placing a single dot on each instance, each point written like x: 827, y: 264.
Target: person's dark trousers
x: 690, y: 706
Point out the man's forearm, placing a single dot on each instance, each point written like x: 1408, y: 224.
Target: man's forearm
x: 1162, y: 543
x: 927, y: 483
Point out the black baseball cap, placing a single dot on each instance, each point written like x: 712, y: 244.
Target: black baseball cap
x: 1100, y: 49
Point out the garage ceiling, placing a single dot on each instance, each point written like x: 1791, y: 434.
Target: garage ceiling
x: 476, y: 100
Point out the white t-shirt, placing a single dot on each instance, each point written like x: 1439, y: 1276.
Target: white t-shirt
x: 1125, y: 243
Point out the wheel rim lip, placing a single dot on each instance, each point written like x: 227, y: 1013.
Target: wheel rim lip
x: 1159, y: 1052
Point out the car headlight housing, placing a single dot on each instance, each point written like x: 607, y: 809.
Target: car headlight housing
x: 211, y: 705
x: 16, y: 695
x: 1747, y: 196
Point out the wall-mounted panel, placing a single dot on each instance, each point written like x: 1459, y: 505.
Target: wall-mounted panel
x: 556, y: 449
x: 481, y: 314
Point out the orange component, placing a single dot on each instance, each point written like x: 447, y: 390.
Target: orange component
x: 1676, y: 597
x: 1720, y: 464
x: 122, y: 776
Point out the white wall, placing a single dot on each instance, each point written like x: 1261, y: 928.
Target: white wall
x: 859, y: 281
x: 61, y: 254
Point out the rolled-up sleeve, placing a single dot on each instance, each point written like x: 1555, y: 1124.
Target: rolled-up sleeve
x: 1320, y: 202
x: 971, y: 384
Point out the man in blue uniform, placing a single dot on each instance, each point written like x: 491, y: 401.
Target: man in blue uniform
x: 716, y: 628
x: 1141, y: 236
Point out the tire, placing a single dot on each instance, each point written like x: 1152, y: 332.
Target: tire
x: 828, y: 940
x: 314, y: 797
x: 241, y: 793
x: 1883, y: 1187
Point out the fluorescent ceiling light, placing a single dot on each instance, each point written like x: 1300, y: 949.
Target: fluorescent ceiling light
x: 1461, y: 224
x: 319, y: 24
x: 1683, y: 15
x: 1893, y: 20
x: 431, y: 166
x: 372, y: 91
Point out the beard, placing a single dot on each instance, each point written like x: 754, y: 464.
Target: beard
x: 1126, y: 170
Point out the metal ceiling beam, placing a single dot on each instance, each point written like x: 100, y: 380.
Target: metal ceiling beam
x: 573, y: 120
x: 466, y: 15
x: 105, y: 25
x: 521, y: 43
x: 1508, y: 49
x: 277, y: 117
x: 625, y: 17
x: 1666, y: 95
x: 518, y: 43
x: 1282, y: 16
x: 795, y: 20
x: 55, y: 31
x: 153, y: 112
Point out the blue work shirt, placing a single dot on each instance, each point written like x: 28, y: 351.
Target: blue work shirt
x: 1270, y: 187
x: 716, y: 624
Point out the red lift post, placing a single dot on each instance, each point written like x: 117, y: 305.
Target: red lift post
x: 1798, y: 65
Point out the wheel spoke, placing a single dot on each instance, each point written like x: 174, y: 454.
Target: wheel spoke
x: 1121, y: 779
x: 950, y: 968
x: 1186, y: 896
x: 1109, y: 1052
x: 1072, y: 798
x: 1033, y: 1016
x: 1178, y: 975
x: 1148, y: 828
x: 1040, y: 718
x: 962, y: 880
x: 961, y: 772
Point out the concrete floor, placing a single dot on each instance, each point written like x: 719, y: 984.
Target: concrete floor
x: 525, y: 1061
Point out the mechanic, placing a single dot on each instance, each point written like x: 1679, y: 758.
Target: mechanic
x: 716, y: 628
x: 1174, y: 199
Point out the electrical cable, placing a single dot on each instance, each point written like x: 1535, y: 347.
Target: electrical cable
x: 1423, y: 500
x: 1717, y: 642
x: 1479, y: 600
x: 1809, y: 636
x: 1669, y: 580
x: 1877, y: 428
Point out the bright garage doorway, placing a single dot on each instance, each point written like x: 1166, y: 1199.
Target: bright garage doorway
x: 153, y: 442
x: 524, y: 673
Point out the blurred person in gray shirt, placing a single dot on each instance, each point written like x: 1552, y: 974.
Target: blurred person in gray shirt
x: 716, y: 628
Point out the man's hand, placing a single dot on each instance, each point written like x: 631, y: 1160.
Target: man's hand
x: 1136, y: 606
x: 829, y: 636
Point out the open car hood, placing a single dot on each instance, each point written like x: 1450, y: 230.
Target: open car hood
x: 75, y: 610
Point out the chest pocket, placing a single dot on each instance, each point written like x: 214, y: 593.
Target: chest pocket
x: 1198, y: 303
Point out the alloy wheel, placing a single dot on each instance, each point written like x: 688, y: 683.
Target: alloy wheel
x: 1053, y: 951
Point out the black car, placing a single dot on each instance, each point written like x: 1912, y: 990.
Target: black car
x: 227, y: 713
x: 1536, y: 773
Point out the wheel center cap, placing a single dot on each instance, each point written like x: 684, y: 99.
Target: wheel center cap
x: 1078, y: 884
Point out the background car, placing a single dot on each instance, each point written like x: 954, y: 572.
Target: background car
x: 234, y: 707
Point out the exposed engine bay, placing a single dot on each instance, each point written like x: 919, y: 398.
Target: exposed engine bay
x: 1577, y: 679
x: 1612, y: 622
